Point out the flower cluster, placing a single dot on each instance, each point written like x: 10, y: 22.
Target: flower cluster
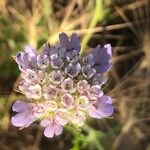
x: 61, y: 86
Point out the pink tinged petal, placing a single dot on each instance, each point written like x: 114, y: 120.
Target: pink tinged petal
x: 50, y: 106
x: 62, y: 116
x: 82, y: 86
x: 49, y: 131
x: 46, y: 122
x: 64, y: 41
x: 68, y: 85
x: 34, y: 92
x: 67, y: 100
x: 24, y: 86
x: 38, y: 110
x: 29, y: 75
x: 58, y: 129
x: 20, y: 106
x: 41, y: 77
x: 94, y: 113
x: 61, y: 120
x: 78, y: 118
x: 56, y: 77
x: 50, y: 92
x: 83, y: 102
x: 95, y: 92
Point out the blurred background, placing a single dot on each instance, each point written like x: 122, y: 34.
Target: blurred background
x: 123, y: 23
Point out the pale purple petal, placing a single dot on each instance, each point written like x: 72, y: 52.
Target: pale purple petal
x: 58, y: 129
x: 56, y: 61
x: 87, y: 71
x: 88, y: 60
x: 30, y: 50
x: 103, y: 67
x: 64, y: 40
x: 67, y: 100
x: 74, y: 42
x: 23, y: 119
x: 98, y: 79
x: 68, y: 85
x: 20, y: 106
x: 73, y: 69
x: 56, y: 77
x: 102, y: 55
x: 49, y: 131
x: 46, y: 122
x: 102, y: 108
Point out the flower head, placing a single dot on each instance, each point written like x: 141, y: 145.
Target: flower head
x: 61, y: 86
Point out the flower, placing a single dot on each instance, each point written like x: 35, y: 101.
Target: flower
x: 61, y: 86
x: 52, y: 127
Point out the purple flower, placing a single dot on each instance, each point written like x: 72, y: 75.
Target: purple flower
x: 83, y: 102
x: 67, y: 100
x: 88, y: 60
x: 56, y: 61
x: 62, y: 86
x: 62, y: 116
x: 68, y: 85
x: 24, y: 86
x: 88, y: 72
x: 50, y: 92
x: 29, y: 75
x: 98, y: 79
x: 24, y: 116
x: 95, y: 92
x: 43, y: 61
x: 27, y: 59
x: 56, y: 77
x: 34, y: 92
x: 102, y: 108
x: 50, y: 106
x: 102, y: 58
x: 82, y: 86
x: 52, y: 127
x: 38, y: 110
x: 78, y: 118
x: 73, y: 69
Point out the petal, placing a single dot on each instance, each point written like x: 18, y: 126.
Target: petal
x: 103, y: 68
x: 46, y: 122
x: 31, y: 51
x: 61, y: 120
x: 20, y: 106
x: 58, y: 129
x: 49, y: 131
x: 74, y: 42
x: 102, y: 55
x: 94, y: 113
x: 63, y: 40
x: 22, y: 119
